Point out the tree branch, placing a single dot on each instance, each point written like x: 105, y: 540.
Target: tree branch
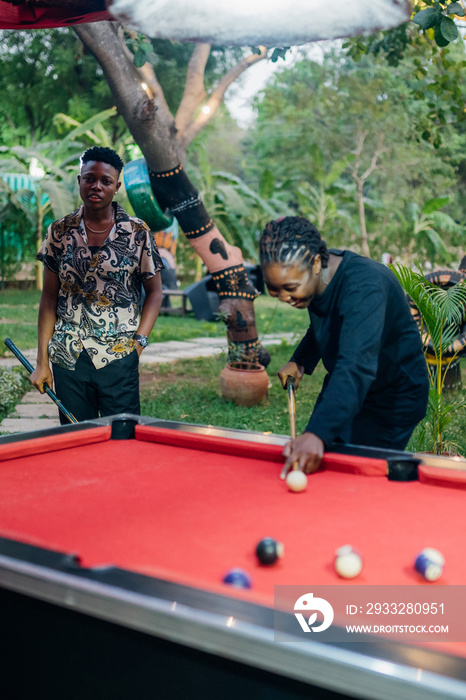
x: 194, y: 91
x: 148, y: 119
x: 216, y: 98
x: 146, y: 73
x: 361, y: 179
x: 373, y: 165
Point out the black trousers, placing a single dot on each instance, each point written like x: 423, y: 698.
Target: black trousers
x: 88, y: 393
x: 365, y: 431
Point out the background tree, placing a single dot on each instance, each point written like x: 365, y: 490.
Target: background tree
x: 163, y: 138
x: 127, y: 62
x: 334, y: 111
x: 43, y: 73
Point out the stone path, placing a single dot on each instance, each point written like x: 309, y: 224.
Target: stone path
x: 37, y: 411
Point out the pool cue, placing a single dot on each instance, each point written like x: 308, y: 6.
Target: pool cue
x: 290, y: 387
x: 11, y: 346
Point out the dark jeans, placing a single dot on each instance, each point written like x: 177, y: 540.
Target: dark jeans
x: 88, y: 393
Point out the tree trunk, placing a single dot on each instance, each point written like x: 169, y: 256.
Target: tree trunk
x: 362, y: 221
x: 154, y: 130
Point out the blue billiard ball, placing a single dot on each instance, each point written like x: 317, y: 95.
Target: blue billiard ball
x: 237, y: 578
x: 429, y: 563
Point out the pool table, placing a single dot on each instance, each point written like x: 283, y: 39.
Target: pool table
x: 115, y: 536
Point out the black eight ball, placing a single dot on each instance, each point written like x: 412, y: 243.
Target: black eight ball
x: 268, y: 551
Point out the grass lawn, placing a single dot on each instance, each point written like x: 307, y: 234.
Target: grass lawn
x: 19, y: 309
x: 188, y: 390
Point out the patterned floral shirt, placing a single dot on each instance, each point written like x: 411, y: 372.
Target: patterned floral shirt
x: 100, y: 293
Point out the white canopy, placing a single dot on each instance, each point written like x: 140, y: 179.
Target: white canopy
x: 258, y: 22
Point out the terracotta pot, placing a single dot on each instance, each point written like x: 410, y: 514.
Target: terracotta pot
x: 244, y: 383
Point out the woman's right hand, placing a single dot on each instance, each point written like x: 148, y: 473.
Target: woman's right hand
x: 291, y: 369
x: 41, y: 374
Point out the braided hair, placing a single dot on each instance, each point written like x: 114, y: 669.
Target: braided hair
x: 292, y: 240
x: 102, y: 154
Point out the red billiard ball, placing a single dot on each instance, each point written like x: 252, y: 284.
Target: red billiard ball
x: 269, y: 550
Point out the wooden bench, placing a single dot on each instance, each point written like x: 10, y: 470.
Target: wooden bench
x: 175, y: 310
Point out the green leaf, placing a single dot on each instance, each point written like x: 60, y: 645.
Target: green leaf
x: 139, y: 58
x: 448, y: 29
x: 436, y: 240
x: 427, y: 18
x: 61, y: 199
x: 446, y: 224
x: 266, y: 184
x: 439, y: 38
x: 455, y: 9
x: 434, y: 204
x: 279, y: 53
x: 413, y: 211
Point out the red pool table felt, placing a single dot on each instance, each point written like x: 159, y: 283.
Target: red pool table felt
x: 188, y: 507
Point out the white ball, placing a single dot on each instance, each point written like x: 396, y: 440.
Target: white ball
x: 348, y: 562
x: 296, y: 480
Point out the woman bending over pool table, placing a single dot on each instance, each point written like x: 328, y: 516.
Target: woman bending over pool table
x: 376, y: 388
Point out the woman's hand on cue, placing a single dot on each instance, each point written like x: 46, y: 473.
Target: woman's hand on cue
x: 41, y: 374
x: 291, y: 369
x: 306, y: 450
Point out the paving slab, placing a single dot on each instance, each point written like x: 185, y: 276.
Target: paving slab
x: 157, y: 359
x: 18, y: 425
x: 34, y: 396
x: 35, y: 410
x: 9, y: 362
x: 174, y: 345
x: 212, y: 342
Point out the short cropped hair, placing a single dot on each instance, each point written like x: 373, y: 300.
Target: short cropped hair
x: 102, y: 154
x: 292, y: 240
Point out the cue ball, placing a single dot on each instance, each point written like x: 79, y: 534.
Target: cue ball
x: 348, y: 562
x: 429, y: 563
x: 269, y: 550
x: 296, y: 480
x: 237, y: 578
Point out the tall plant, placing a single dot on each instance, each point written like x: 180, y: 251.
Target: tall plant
x: 441, y: 311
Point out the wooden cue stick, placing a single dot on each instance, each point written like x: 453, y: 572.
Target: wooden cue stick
x: 290, y: 382
x: 11, y: 346
x: 290, y: 387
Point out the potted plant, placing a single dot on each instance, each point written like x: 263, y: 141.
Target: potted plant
x: 441, y: 312
x: 243, y: 381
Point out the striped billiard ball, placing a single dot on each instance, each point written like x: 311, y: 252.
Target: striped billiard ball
x: 429, y: 563
x: 238, y: 578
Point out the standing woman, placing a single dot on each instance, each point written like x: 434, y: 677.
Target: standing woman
x: 376, y: 388
x: 96, y: 262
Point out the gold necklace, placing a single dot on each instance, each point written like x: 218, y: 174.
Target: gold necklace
x: 105, y: 229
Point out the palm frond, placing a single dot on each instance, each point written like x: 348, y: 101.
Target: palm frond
x: 61, y: 199
x: 441, y: 310
x: 445, y: 223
